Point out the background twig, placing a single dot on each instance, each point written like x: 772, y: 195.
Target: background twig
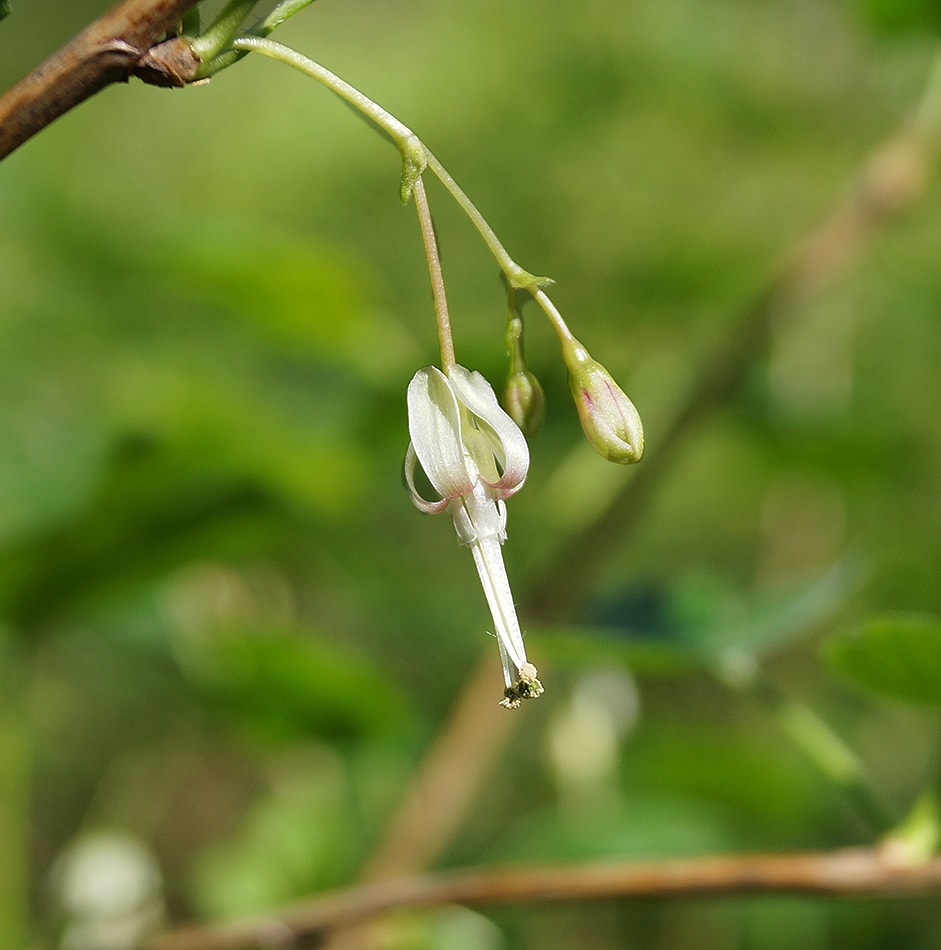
x: 111, y: 49
x: 848, y: 873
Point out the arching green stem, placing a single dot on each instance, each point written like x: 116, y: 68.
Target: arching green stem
x: 552, y: 312
x: 209, y: 44
x: 415, y: 154
x: 267, y: 25
x: 385, y: 121
x: 516, y: 276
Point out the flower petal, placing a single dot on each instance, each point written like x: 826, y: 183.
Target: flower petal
x: 504, y: 438
x: 478, y: 515
x: 434, y: 424
x: 422, y: 504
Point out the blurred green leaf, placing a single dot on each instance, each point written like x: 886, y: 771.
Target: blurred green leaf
x: 591, y: 645
x: 661, y: 824
x: 897, y: 656
x: 308, y: 297
x: 155, y: 506
x: 281, y: 685
x: 698, y: 622
x: 6, y: 8
x: 714, y: 618
x: 896, y: 17
x: 300, y: 836
x: 771, y: 785
x: 919, y: 835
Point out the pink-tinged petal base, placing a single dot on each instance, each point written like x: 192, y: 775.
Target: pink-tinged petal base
x: 504, y: 439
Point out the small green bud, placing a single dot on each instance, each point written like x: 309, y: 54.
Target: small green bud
x: 523, y: 398
x: 611, y: 423
x: 414, y: 162
x: 525, y: 401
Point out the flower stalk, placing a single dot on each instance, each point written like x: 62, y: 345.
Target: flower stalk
x: 435, y: 275
x: 416, y: 156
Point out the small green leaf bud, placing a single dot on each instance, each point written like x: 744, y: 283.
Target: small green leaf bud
x: 525, y: 401
x: 523, y: 398
x: 414, y: 162
x: 611, y: 423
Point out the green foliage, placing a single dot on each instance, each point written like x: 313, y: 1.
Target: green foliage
x: 300, y: 836
x: 283, y: 686
x: 897, y: 656
x: 224, y: 629
x: 901, y: 17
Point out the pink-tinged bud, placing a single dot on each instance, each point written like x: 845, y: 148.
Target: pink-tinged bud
x: 610, y: 421
x: 525, y: 402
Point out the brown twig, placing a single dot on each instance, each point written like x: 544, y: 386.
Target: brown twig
x: 854, y: 872
x: 125, y: 41
x: 447, y: 780
x: 444, y: 787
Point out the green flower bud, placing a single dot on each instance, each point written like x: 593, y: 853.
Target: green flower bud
x: 611, y: 423
x: 525, y: 402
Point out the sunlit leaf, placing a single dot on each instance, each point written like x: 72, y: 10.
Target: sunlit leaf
x: 897, y: 656
x: 590, y: 645
x: 299, y: 837
x: 695, y: 623
x: 154, y: 507
x: 902, y: 17
x: 283, y: 685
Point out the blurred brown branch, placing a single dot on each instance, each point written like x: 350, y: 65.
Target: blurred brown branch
x: 125, y: 41
x: 848, y: 873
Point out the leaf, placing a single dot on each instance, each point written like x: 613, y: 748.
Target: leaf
x: 589, y: 646
x: 896, y: 655
x: 699, y: 623
x: 157, y: 505
x: 901, y: 17
x: 284, y: 684
x: 6, y: 8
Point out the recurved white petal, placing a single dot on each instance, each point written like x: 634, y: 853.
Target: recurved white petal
x: 422, y: 504
x: 503, y: 436
x: 434, y: 424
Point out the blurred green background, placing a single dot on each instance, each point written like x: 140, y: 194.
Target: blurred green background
x: 227, y: 638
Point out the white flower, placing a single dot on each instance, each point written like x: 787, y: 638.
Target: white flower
x: 475, y: 456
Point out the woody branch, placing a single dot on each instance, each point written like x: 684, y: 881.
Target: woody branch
x: 854, y: 872
x: 126, y: 41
